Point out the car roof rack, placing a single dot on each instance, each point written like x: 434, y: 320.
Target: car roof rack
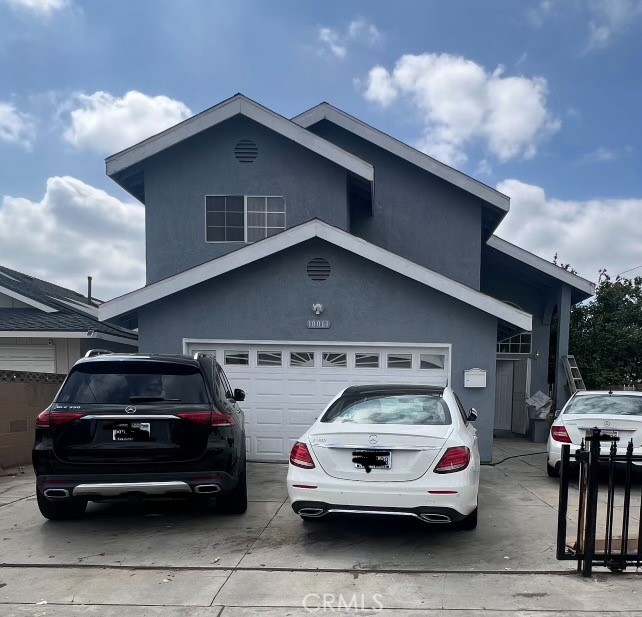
x: 97, y: 352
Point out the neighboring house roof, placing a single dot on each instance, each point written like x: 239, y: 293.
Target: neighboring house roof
x: 53, y: 309
x: 325, y: 111
x: 581, y: 285
x: 236, y: 105
x: 296, y: 235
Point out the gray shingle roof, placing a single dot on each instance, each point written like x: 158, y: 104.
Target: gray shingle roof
x: 65, y: 319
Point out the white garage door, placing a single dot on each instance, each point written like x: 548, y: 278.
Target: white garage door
x: 34, y: 358
x: 287, y: 386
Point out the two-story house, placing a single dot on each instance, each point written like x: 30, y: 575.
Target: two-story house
x: 318, y: 252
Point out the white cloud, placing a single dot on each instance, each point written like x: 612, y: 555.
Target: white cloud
x: 460, y: 103
x: 15, y: 126
x: 331, y: 41
x: 44, y: 8
x: 609, y: 18
x: 590, y: 235
x: 75, y: 230
x: 336, y: 43
x: 601, y: 155
x: 105, y: 123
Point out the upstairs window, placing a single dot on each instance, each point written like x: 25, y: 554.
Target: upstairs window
x: 519, y: 343
x: 243, y: 218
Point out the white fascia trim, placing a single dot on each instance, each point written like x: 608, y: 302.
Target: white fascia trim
x: 61, y: 334
x: 324, y: 111
x: 90, y: 310
x: 17, y: 296
x: 296, y: 235
x: 542, y: 265
x: 238, y: 104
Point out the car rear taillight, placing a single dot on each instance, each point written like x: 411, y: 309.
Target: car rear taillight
x: 454, y: 459
x: 300, y: 456
x: 208, y: 418
x: 559, y: 433
x: 48, y: 419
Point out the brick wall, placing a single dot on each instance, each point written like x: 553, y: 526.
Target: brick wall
x: 22, y: 397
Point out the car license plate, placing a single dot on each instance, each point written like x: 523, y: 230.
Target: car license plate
x: 375, y: 459
x: 609, y: 433
x: 132, y: 431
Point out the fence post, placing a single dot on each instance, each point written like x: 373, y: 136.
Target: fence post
x: 563, y: 501
x: 592, y: 484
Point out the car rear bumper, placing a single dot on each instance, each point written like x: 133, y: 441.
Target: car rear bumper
x: 97, y: 487
x: 554, y: 450
x: 428, y: 514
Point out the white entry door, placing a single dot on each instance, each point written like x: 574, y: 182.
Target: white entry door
x: 287, y: 386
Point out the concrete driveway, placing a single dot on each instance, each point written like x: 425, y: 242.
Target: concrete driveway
x: 175, y: 559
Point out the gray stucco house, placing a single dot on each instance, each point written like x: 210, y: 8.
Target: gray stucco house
x: 317, y: 252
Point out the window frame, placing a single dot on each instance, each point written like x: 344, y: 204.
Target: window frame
x: 245, y: 221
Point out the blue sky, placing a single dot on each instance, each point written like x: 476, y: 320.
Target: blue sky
x: 541, y: 99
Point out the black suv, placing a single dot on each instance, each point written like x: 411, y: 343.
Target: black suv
x: 137, y: 425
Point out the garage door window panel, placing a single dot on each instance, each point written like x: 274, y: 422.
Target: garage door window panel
x: 269, y: 358
x: 302, y: 359
x: 334, y: 360
x: 400, y: 360
x: 429, y: 361
x: 237, y: 358
x: 366, y: 360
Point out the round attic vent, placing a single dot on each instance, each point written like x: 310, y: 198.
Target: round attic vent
x: 318, y: 269
x: 246, y: 151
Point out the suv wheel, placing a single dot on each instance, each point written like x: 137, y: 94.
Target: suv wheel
x: 235, y: 502
x: 64, y: 509
x: 552, y: 471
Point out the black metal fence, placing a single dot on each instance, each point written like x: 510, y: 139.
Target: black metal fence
x: 605, y: 536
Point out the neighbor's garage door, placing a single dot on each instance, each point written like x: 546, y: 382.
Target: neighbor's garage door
x: 34, y: 358
x: 288, y: 386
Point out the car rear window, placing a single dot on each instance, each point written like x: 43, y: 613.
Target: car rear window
x: 415, y: 409
x: 126, y: 383
x: 619, y: 404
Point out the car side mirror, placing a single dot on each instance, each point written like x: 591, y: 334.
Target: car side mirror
x: 472, y: 415
x: 557, y: 413
x: 239, y: 395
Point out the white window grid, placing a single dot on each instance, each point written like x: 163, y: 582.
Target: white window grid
x: 245, y: 217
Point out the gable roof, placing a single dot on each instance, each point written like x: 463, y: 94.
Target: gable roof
x: 296, y: 235
x: 52, y: 309
x: 585, y: 288
x: 238, y: 104
x: 325, y: 111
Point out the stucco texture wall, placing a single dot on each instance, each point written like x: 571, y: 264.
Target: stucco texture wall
x: 416, y: 214
x: 272, y: 298
x: 177, y: 180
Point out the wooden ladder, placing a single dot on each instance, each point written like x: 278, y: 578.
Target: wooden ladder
x: 573, y: 375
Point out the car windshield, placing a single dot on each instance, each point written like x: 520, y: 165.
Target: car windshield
x: 125, y: 383
x: 617, y: 404
x: 419, y: 409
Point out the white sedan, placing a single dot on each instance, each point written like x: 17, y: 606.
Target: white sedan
x: 389, y: 449
x: 616, y: 413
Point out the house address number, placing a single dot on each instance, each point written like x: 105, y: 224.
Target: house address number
x: 316, y: 324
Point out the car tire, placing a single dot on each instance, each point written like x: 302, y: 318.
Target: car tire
x: 60, y: 510
x: 552, y: 471
x: 235, y: 502
x: 470, y: 522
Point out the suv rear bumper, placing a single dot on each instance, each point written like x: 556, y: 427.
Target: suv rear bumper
x: 97, y: 487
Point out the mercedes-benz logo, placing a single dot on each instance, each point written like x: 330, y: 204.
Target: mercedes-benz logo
x: 130, y: 409
x: 606, y: 423
x: 373, y: 439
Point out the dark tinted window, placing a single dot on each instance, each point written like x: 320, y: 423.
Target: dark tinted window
x: 421, y: 409
x: 133, y: 383
x: 462, y: 410
x: 623, y: 404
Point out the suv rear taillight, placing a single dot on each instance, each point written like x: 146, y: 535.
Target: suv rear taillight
x: 559, y: 433
x: 48, y: 419
x: 300, y: 456
x: 454, y: 459
x: 208, y: 418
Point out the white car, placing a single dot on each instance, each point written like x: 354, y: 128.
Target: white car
x: 618, y: 413
x: 389, y: 449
